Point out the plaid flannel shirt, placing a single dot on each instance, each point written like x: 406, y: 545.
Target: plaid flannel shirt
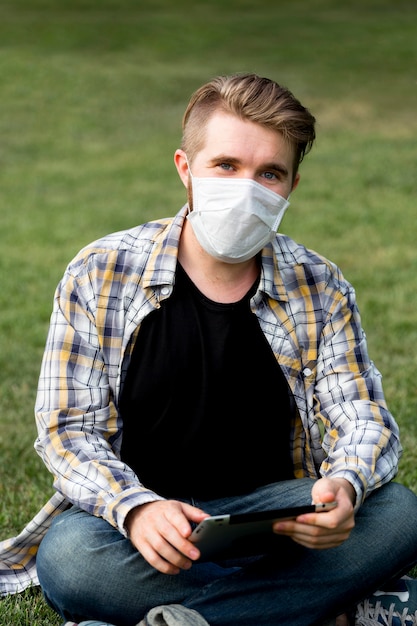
x: 309, y: 315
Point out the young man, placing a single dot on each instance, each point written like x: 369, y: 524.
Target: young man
x: 205, y: 364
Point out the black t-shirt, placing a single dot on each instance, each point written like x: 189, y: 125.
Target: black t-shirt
x: 206, y: 408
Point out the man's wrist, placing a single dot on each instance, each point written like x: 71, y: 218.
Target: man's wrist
x: 348, y: 487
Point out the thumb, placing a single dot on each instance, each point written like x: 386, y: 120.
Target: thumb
x: 324, y: 490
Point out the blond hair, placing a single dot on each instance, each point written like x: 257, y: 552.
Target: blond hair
x: 251, y: 98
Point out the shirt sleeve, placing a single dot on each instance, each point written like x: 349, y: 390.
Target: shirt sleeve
x: 77, y: 420
x: 361, y: 437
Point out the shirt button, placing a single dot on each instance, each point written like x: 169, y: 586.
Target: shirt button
x: 165, y: 291
x: 307, y: 372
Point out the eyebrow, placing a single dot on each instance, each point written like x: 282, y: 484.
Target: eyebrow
x: 224, y: 158
x: 275, y: 166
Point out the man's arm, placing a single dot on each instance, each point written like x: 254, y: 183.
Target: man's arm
x: 77, y: 420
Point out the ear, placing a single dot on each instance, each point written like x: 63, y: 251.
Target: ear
x: 296, y: 181
x: 180, y: 160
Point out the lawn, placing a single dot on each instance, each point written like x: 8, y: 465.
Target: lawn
x: 91, y: 100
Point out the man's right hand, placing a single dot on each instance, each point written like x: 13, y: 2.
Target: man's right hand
x: 159, y: 530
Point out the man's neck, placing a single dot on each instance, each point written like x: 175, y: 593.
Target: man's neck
x: 217, y: 280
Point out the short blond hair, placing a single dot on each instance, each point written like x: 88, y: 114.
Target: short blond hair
x: 253, y: 98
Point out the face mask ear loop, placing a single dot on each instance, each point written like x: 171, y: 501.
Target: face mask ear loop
x: 191, y: 177
x: 188, y: 165
x: 280, y: 215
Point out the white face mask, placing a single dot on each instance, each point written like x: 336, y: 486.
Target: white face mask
x: 234, y: 218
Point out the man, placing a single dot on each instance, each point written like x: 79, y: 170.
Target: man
x: 205, y: 364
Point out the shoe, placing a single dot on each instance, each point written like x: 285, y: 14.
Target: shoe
x: 93, y: 622
x: 90, y: 622
x: 395, y: 604
x: 172, y: 615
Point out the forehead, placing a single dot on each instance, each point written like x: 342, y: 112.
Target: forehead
x: 229, y: 134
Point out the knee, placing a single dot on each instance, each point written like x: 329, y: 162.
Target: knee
x: 394, y: 507
x: 82, y: 562
x: 56, y: 563
x: 76, y: 547
x: 401, y: 498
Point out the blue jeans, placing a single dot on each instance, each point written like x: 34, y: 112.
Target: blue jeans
x: 88, y: 570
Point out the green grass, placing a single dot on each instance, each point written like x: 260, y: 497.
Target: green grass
x: 91, y: 99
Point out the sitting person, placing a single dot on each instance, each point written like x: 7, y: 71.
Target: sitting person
x: 206, y: 364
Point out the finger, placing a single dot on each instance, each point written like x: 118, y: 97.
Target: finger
x: 321, y: 540
x: 164, y: 557
x: 160, y: 564
x: 169, y: 537
x: 179, y: 518
x: 315, y: 536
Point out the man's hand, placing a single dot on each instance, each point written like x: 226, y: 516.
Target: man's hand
x: 159, y: 530
x: 323, y: 530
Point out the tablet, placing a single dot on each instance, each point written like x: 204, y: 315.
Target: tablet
x: 245, y: 534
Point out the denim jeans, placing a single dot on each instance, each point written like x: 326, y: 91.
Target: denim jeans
x: 88, y: 570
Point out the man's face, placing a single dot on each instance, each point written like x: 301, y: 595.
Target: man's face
x: 236, y: 148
